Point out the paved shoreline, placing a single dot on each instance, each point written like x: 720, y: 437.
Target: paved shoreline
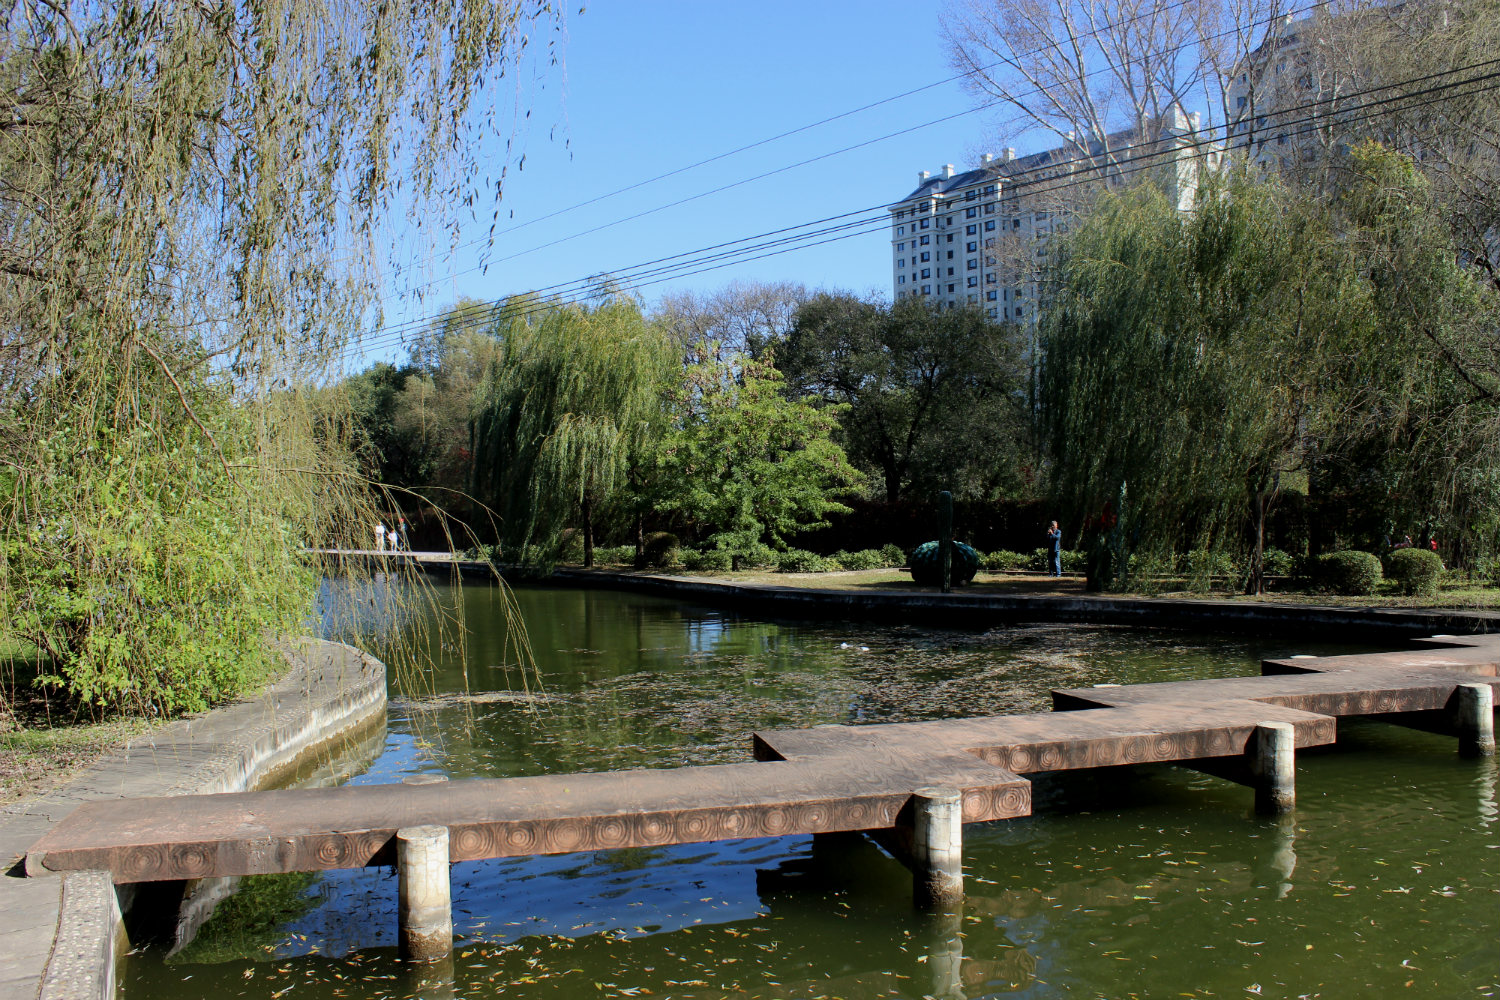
x: 58, y: 936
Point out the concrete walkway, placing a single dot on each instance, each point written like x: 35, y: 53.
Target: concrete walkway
x: 331, y: 690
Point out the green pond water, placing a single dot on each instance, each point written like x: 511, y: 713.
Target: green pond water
x: 1133, y: 882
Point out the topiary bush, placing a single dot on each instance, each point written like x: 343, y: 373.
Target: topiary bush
x: 614, y: 555
x: 1416, y: 570
x: 1074, y: 560
x: 1349, y: 572
x: 892, y: 555
x: 927, y: 566
x: 661, y: 550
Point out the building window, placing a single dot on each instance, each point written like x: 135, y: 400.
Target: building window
x: 972, y: 230
x: 926, y: 256
x: 969, y: 214
x: 973, y: 281
x: 1015, y: 224
x: 973, y: 263
x: 1019, y: 312
x: 973, y: 299
x: 989, y: 279
x: 924, y: 223
x: 989, y: 296
x: 950, y: 237
x: 970, y: 195
x: 950, y: 274
x: 900, y: 279
x: 950, y: 287
x: 950, y: 220
x: 926, y: 272
x: 989, y: 226
x: 900, y: 247
x: 973, y: 246
x: 926, y: 240
x: 993, y: 311
x: 900, y: 230
x: 950, y: 254
x: 1240, y: 103
x: 926, y: 289
x: 989, y: 209
x: 901, y: 262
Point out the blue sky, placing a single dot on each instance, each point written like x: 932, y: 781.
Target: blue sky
x: 650, y: 87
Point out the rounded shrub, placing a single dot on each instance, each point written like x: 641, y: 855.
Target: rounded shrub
x: 926, y: 564
x: 712, y: 561
x: 1416, y: 570
x: 1348, y: 572
x: 892, y: 555
x: 661, y: 550
x: 1277, y: 562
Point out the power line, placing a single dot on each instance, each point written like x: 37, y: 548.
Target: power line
x: 1077, y: 177
x: 822, y: 156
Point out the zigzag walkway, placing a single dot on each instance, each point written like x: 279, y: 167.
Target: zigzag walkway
x: 890, y: 778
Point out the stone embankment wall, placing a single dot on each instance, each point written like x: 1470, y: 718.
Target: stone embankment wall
x: 60, y: 937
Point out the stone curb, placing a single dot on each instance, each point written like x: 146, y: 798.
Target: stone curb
x: 57, y: 940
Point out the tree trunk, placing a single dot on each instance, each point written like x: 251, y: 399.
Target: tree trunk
x: 1256, y: 584
x: 588, y: 530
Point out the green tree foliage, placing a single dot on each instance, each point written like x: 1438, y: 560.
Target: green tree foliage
x: 180, y: 186
x: 1186, y: 365
x: 1196, y: 362
x: 929, y: 398
x: 746, y: 465
x: 572, y: 399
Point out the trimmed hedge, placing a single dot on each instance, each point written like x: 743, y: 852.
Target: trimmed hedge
x: 1349, y: 572
x: 802, y: 561
x: 1416, y: 570
x: 1003, y: 559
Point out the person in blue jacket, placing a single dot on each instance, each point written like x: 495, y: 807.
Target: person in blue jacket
x: 1054, y: 539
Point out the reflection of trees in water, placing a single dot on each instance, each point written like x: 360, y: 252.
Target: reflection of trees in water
x: 250, y: 923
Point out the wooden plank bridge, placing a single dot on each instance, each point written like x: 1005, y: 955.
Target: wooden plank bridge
x: 910, y: 784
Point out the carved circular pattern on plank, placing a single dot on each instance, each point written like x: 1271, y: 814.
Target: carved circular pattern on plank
x: 1020, y: 759
x: 695, y: 826
x: 142, y: 862
x: 1051, y: 758
x: 1136, y: 749
x: 470, y: 842
x: 331, y: 851
x: 655, y: 829
x: 1166, y: 747
x: 193, y: 860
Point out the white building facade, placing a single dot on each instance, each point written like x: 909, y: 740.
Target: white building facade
x: 980, y: 237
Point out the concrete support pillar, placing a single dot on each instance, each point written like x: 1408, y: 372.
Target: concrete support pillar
x: 426, y: 909
x: 937, y: 848
x: 1475, y: 720
x: 1274, y: 767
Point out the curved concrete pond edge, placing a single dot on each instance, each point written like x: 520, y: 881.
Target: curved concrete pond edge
x: 60, y: 938
x: 967, y: 609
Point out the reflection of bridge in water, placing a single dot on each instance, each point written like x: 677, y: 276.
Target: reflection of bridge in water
x: 911, y: 786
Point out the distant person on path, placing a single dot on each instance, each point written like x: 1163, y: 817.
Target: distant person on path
x: 405, y: 545
x: 1054, y: 538
x: 380, y: 537
x: 390, y: 537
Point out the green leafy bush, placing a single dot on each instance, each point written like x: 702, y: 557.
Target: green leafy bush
x: 863, y: 559
x: 1002, y: 560
x: 1074, y: 560
x: 615, y: 555
x: 1278, y: 562
x: 892, y: 554
x: 802, y: 561
x: 661, y: 550
x: 711, y: 561
x: 1416, y: 570
x: 1349, y: 572
x: 1040, y: 561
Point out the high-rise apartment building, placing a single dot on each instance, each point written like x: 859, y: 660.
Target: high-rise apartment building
x: 1278, y: 97
x: 980, y: 237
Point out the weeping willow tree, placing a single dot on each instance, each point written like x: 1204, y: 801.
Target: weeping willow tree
x: 1190, y: 364
x: 191, y: 195
x: 563, y: 416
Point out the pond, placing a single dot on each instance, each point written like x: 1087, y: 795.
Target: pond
x: 1150, y: 881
